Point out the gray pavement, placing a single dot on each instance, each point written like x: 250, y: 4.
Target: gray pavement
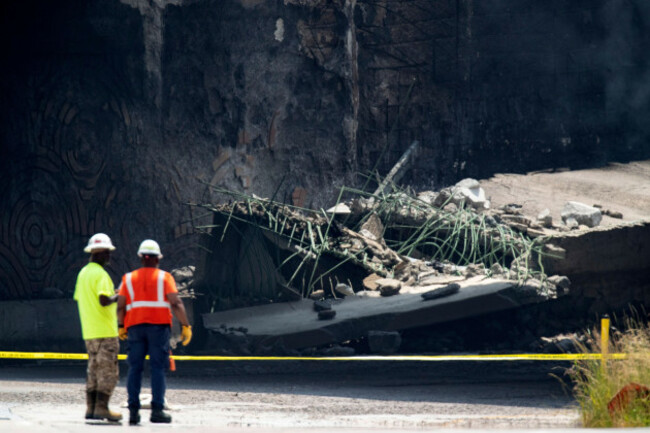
x: 299, y: 396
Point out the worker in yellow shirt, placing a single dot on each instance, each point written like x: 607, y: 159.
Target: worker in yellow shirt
x: 97, y: 302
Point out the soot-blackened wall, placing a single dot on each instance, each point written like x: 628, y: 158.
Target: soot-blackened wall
x: 117, y: 112
x: 499, y: 85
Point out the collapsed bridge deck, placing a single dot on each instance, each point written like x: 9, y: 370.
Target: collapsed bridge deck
x: 295, y: 325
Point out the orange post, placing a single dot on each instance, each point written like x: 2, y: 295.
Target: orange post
x: 172, y: 362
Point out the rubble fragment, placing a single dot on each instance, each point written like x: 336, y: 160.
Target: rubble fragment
x: 575, y: 212
x: 571, y: 223
x: 317, y: 294
x: 184, y: 278
x: 339, y: 209
x: 326, y: 314
x: 535, y: 233
x: 373, y: 226
x: 562, y: 282
x: 545, y: 218
x: 612, y: 213
x: 370, y: 282
x: 440, y: 292
x: 322, y: 305
x: 384, y: 342
x: 344, y: 289
x: 470, y: 191
x: 388, y: 285
x: 562, y: 343
x: 389, y: 290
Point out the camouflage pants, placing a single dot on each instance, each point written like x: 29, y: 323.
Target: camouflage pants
x: 103, y: 371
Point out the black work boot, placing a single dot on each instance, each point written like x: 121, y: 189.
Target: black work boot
x: 134, y: 416
x: 91, y: 398
x: 157, y: 415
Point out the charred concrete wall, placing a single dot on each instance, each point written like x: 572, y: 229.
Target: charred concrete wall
x: 116, y: 112
x: 609, y: 267
x: 493, y: 86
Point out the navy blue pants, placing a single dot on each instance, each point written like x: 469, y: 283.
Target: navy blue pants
x: 152, y: 340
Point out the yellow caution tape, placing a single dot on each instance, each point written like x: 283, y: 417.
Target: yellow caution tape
x: 501, y: 357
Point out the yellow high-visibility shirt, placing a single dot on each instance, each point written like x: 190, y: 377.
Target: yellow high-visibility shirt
x: 96, y: 321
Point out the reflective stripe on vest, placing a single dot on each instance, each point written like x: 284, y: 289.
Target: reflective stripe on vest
x: 160, y: 303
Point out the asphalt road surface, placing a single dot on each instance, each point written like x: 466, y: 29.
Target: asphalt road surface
x: 272, y: 396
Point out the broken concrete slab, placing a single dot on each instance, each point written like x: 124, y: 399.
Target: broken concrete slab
x: 470, y: 191
x: 339, y: 209
x: 545, y: 218
x: 370, y: 282
x: 440, y: 292
x: 602, y: 260
x: 295, y: 325
x: 373, y: 226
x: 344, y: 289
x: 581, y: 213
x: 432, y: 279
x: 388, y: 284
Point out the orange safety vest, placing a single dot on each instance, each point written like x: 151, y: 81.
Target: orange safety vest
x: 146, y: 292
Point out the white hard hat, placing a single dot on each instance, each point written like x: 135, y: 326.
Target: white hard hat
x: 149, y: 247
x: 99, y: 241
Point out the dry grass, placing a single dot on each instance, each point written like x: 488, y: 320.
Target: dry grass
x: 595, y: 383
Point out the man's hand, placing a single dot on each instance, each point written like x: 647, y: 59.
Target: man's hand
x: 121, y: 332
x: 107, y: 300
x: 186, y: 335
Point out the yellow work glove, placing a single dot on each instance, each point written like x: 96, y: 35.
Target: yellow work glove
x: 121, y: 332
x: 186, y: 335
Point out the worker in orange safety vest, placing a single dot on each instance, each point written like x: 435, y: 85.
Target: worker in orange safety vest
x: 147, y: 298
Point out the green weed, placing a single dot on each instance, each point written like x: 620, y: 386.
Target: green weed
x: 595, y: 384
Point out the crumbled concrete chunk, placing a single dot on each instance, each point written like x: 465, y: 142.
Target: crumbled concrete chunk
x: 374, y: 226
x: 561, y: 282
x: 370, y: 282
x: 339, y: 209
x: 470, y: 191
x: 326, y: 314
x: 344, y: 289
x: 440, y: 292
x: 388, y: 286
x: 545, y: 218
x: 322, y: 306
x: 571, y: 223
x: 581, y: 213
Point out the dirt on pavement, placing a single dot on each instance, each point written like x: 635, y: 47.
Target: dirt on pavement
x: 617, y: 187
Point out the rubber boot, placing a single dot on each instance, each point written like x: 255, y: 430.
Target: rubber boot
x: 157, y: 415
x: 91, y: 398
x: 134, y: 416
x: 102, y: 411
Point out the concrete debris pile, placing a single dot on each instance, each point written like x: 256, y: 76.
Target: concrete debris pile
x: 184, y: 278
x: 575, y: 215
x: 469, y: 193
x: 371, y: 245
x: 282, y: 279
